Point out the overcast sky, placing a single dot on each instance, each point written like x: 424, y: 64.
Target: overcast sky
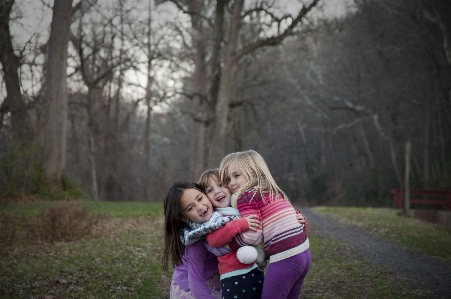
x: 36, y: 17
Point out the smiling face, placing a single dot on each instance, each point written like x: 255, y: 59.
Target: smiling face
x: 195, y: 206
x: 235, y: 178
x: 218, y: 194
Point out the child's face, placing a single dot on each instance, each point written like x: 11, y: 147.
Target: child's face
x: 218, y: 194
x: 195, y: 206
x: 235, y: 177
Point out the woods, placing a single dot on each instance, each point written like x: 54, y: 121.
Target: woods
x: 120, y: 98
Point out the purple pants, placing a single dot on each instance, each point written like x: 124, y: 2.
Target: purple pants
x: 284, y: 279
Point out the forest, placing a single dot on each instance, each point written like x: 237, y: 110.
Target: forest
x: 115, y: 100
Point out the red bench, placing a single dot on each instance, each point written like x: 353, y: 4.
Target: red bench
x: 433, y: 197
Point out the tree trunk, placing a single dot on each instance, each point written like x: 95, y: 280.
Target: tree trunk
x: 199, y: 107
x: 198, y: 142
x: 220, y: 123
x: 14, y: 102
x: 406, y: 206
x: 147, y: 172
x: 226, y: 88
x: 93, y: 93
x: 426, y: 145
x: 367, y: 147
x: 92, y: 162
x: 55, y: 94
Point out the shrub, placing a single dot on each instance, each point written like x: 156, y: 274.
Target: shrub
x: 11, y: 226
x: 65, y: 223
x: 442, y: 181
x: 62, y: 223
x: 22, y: 174
x: 19, y: 170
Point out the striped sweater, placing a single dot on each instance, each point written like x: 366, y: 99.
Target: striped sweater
x: 282, y: 234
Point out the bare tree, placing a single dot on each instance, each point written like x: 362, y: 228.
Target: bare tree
x: 226, y: 54
x: 14, y: 102
x: 96, y: 67
x: 55, y: 94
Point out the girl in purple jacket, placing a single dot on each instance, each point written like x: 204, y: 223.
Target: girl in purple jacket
x: 196, y: 272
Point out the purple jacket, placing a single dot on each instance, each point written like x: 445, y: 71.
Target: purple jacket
x: 198, y: 266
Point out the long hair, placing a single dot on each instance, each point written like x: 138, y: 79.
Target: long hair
x: 173, y: 224
x: 206, y: 175
x: 254, y: 168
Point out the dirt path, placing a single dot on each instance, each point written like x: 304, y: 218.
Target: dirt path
x: 432, y: 273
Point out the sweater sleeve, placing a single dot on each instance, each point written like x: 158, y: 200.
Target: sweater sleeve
x: 196, y: 255
x: 248, y: 205
x: 224, y: 235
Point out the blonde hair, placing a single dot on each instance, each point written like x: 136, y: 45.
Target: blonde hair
x: 254, y: 168
x: 206, y: 175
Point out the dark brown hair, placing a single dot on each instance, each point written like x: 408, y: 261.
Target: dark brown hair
x: 173, y: 224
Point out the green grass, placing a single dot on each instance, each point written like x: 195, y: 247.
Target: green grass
x: 429, y: 238
x: 337, y: 271
x: 122, y: 257
x: 126, y: 209
x: 122, y: 209
x: 118, y: 265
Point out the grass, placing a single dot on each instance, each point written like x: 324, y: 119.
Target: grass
x: 121, y: 209
x: 429, y: 238
x: 337, y: 271
x: 121, y: 257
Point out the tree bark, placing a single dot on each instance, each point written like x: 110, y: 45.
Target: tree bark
x: 227, y: 84
x: 406, y: 206
x: 367, y: 147
x: 14, y: 102
x: 92, y: 162
x: 226, y: 87
x: 199, y: 106
x: 55, y: 94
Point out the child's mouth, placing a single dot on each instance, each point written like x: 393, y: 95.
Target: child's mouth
x: 220, y: 198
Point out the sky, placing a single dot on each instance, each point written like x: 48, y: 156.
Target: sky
x: 34, y: 20
x: 37, y: 17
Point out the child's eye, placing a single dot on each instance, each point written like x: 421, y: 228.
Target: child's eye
x: 209, y: 190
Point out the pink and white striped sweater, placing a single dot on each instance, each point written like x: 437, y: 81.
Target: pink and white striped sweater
x: 283, y: 236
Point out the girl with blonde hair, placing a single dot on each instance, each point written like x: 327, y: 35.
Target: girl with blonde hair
x: 285, y: 242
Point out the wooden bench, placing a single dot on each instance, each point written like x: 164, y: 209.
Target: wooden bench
x: 423, y: 197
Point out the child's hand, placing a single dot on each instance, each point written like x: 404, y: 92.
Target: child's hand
x: 253, y: 222
x: 301, y: 219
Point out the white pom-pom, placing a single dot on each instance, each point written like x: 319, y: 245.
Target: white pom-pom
x: 247, y: 254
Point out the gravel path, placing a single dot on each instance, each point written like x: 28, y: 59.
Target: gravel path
x: 432, y: 273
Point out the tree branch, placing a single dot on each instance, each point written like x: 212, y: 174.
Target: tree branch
x: 185, y: 10
x: 275, y: 40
